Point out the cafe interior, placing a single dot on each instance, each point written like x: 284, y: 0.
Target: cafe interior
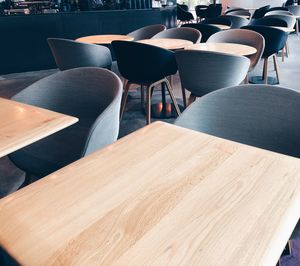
x: 150, y: 132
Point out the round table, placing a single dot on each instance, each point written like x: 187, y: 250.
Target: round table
x: 285, y: 29
x: 170, y: 44
x: 221, y: 26
x: 228, y: 48
x: 104, y: 39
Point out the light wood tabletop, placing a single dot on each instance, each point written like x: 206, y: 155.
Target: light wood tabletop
x: 229, y: 48
x: 166, y: 43
x: 22, y: 124
x: 163, y: 195
x: 222, y: 27
x: 104, y: 39
x: 285, y: 29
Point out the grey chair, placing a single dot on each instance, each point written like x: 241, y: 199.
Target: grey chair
x: 147, y: 32
x: 231, y: 9
x: 91, y: 94
x: 278, y: 12
x: 70, y: 54
x: 241, y: 36
x: 289, y: 19
x: 263, y: 116
x: 202, y: 72
x: 236, y: 21
x: 240, y: 13
x: 185, y: 33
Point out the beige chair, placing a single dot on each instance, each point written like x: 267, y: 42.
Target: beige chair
x: 241, y: 36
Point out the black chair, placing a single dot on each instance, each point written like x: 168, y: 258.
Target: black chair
x: 228, y: 10
x: 205, y: 29
x: 275, y: 40
x: 263, y: 116
x: 184, y: 7
x: 213, y: 11
x: 277, y: 8
x: 260, y: 12
x: 236, y: 21
x: 186, y: 33
x: 72, y: 54
x: 201, y: 11
x: 268, y: 21
x: 290, y: 3
x: 184, y: 16
x: 145, y: 65
x: 218, y: 20
x: 91, y: 94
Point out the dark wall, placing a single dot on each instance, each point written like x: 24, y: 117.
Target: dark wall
x: 23, y: 43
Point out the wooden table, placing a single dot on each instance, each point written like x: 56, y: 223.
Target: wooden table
x: 166, y: 43
x: 22, y: 124
x: 222, y: 27
x: 229, y: 48
x: 163, y: 195
x: 104, y: 39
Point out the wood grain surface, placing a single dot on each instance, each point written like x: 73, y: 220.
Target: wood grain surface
x: 21, y: 124
x: 163, y: 195
x: 166, y: 43
x: 104, y: 39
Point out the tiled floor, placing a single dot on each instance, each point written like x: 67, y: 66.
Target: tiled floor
x: 11, y: 177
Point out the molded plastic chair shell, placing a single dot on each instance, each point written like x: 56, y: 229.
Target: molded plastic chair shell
x: 236, y: 21
x: 205, y: 29
x: 228, y: 10
x: 289, y: 19
x: 279, y: 12
x: 202, y: 72
x: 183, y: 15
x: 70, y: 54
x: 201, y: 10
x: 275, y: 39
x: 268, y: 21
x: 218, y: 20
x: 185, y: 33
x: 260, y: 12
x: 295, y: 10
x: 241, y: 36
x: 214, y: 11
x: 240, y: 13
x: 147, y: 32
x: 91, y: 94
x: 263, y: 116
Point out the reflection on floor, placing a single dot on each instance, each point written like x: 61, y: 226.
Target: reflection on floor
x: 11, y: 177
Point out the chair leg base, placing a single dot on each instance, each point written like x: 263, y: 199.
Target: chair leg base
x: 259, y: 80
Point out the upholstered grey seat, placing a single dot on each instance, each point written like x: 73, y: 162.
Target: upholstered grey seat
x: 147, y: 32
x: 278, y: 12
x: 240, y: 36
x: 236, y: 21
x: 91, y: 94
x: 263, y: 116
x: 290, y: 20
x: 202, y: 72
x: 72, y: 54
x: 184, y: 33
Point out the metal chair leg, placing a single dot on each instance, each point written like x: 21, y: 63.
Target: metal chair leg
x: 169, y: 88
x: 124, y: 98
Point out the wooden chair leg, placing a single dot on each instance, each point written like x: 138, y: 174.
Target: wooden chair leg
x: 287, y: 49
x: 276, y: 67
x: 265, y: 75
x: 169, y: 88
x: 124, y: 98
x: 282, y: 55
x: 184, y: 97
x: 246, y: 80
x: 148, y: 104
x: 192, y: 98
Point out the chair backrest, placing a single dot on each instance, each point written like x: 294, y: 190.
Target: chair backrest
x: 202, y: 72
x: 268, y: 21
x: 295, y: 10
x: 218, y: 20
x: 91, y: 94
x: 184, y: 7
x: 70, y: 54
x: 214, y: 11
x: 290, y: 20
x: 185, y: 33
x: 236, y: 21
x: 241, y: 36
x: 142, y: 63
x: 147, y: 32
x: 279, y: 12
x: 228, y: 10
x: 278, y: 8
x: 201, y: 10
x: 264, y: 116
x: 275, y: 39
x: 205, y: 29
x: 289, y: 3
x: 183, y: 15
x: 260, y: 12
x: 240, y: 13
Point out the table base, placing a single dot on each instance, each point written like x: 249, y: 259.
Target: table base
x: 259, y: 80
